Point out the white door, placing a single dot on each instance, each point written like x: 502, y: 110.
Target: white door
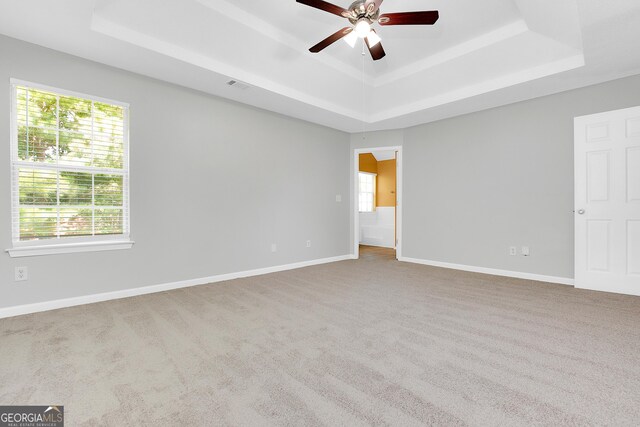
x: 607, y: 205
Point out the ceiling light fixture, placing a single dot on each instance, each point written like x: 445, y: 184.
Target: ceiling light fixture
x: 363, y: 28
x: 373, y: 38
x: 351, y: 38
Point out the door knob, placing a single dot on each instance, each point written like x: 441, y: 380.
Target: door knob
x: 581, y: 211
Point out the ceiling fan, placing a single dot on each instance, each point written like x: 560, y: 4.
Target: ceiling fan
x: 362, y: 14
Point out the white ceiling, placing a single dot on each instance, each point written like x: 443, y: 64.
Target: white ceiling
x: 384, y: 155
x: 480, y: 54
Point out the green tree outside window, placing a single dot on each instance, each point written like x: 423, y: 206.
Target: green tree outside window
x: 69, y: 165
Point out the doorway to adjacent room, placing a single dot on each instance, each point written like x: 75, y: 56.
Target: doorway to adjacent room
x: 377, y: 198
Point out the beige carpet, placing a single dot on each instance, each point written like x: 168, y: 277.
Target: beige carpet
x: 368, y: 342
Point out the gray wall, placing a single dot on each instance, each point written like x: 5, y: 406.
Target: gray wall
x: 213, y: 184
x: 476, y: 184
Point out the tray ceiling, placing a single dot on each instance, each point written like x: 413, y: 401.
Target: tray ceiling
x: 477, y: 56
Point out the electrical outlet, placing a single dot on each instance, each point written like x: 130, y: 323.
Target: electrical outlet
x: 21, y: 274
x: 513, y: 251
x: 525, y: 251
x: 338, y: 197
x: 274, y: 248
x: 308, y: 243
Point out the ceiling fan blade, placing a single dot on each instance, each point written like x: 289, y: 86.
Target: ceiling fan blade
x: 327, y: 7
x: 331, y: 39
x: 409, y: 18
x: 373, y: 4
x: 376, y: 51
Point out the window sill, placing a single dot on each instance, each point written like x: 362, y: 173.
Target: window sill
x: 67, y: 248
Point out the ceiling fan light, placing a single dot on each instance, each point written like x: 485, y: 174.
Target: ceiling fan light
x: 373, y: 38
x: 363, y: 28
x: 351, y: 38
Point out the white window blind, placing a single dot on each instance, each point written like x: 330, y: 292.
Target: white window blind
x: 367, y: 191
x: 70, y: 167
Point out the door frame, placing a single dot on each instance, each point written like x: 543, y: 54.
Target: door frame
x: 354, y: 205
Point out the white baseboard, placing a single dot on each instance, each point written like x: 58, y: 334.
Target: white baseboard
x: 126, y: 293
x: 625, y: 290
x: 492, y: 271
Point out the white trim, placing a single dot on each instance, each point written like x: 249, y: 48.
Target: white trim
x: 70, y: 244
x: 58, y: 91
x: 624, y: 290
x: 66, y: 248
x: 355, y: 204
x: 470, y: 46
x: 126, y: 179
x: 13, y: 152
x: 126, y: 293
x: 275, y: 32
x: 481, y: 88
x: 129, y: 35
x: 492, y: 271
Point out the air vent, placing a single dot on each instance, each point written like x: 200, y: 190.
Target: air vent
x: 238, y: 84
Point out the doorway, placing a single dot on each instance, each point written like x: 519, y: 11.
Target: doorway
x: 377, y: 199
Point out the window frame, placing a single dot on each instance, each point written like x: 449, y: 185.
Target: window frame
x: 69, y: 244
x: 375, y: 184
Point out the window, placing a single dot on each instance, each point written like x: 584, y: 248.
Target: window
x: 70, y: 174
x: 367, y: 191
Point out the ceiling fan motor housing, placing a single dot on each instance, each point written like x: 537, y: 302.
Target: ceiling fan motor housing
x: 358, y: 11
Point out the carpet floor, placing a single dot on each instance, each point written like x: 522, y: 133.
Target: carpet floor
x: 367, y: 342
